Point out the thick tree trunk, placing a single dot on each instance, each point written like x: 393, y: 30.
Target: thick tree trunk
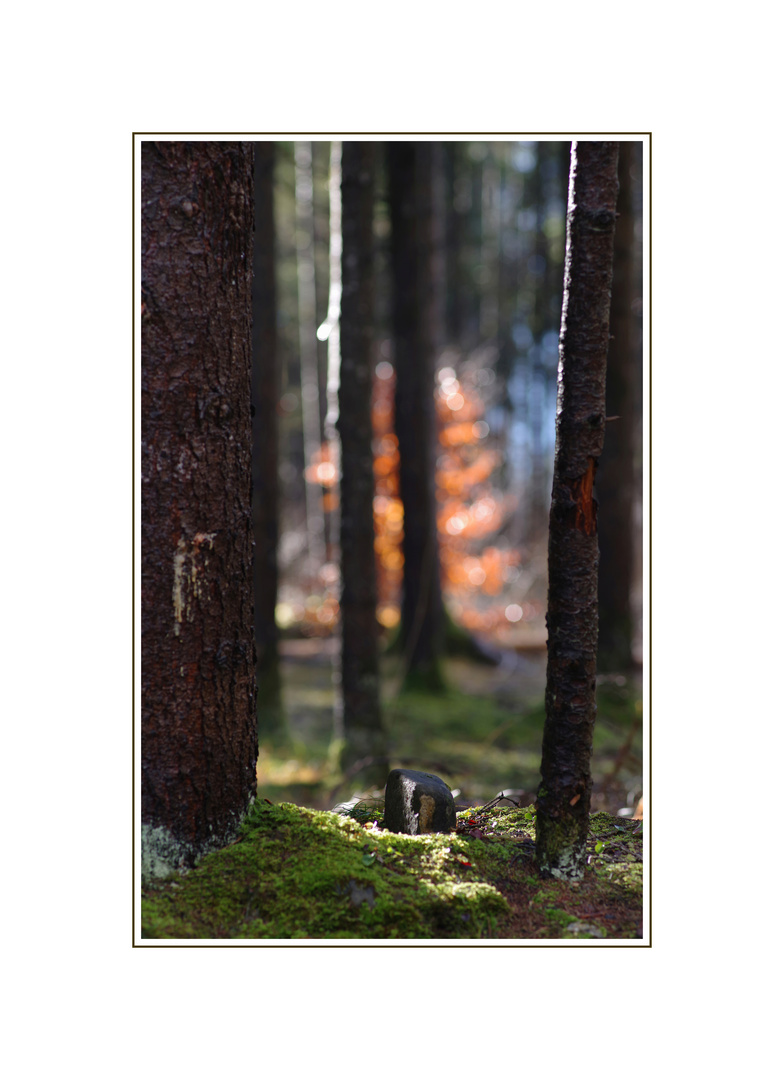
x: 198, y: 684
x: 363, y: 731
x: 564, y: 795
x: 615, y: 482
x: 266, y: 396
x: 410, y: 196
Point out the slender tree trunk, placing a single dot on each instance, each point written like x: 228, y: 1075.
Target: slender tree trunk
x: 308, y: 350
x: 199, y: 741
x: 537, y: 511
x: 331, y: 327
x: 615, y: 482
x: 266, y: 396
x: 410, y: 196
x: 364, y: 735
x: 564, y: 796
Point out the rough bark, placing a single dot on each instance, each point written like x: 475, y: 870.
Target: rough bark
x: 615, y: 482
x: 266, y: 395
x: 363, y: 731
x: 411, y: 213
x: 564, y: 795
x: 198, y: 683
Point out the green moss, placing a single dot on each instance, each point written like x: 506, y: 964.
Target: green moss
x: 557, y: 918
x: 299, y: 873
x: 304, y: 873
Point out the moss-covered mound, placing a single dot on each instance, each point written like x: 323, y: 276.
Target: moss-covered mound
x: 300, y: 873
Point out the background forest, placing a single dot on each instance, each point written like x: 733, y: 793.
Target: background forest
x: 495, y: 262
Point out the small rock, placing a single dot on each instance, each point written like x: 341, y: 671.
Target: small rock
x: 358, y: 895
x: 418, y: 802
x: 584, y: 928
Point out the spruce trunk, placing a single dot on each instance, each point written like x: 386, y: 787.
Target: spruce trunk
x: 365, y: 740
x: 266, y: 398
x: 411, y: 213
x: 615, y: 483
x: 564, y: 796
x: 198, y: 683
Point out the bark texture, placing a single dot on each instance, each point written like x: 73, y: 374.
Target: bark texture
x: 411, y: 211
x: 198, y: 684
x: 615, y: 483
x: 363, y: 730
x: 564, y: 796
x: 266, y: 396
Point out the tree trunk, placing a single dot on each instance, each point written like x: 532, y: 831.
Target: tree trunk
x: 615, y: 482
x: 564, y: 795
x: 363, y: 731
x: 266, y: 396
x: 198, y: 686
x: 410, y: 196
x: 308, y: 352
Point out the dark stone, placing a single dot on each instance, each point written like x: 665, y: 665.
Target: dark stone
x: 418, y: 802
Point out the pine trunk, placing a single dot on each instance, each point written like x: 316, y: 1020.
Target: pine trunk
x: 564, y: 795
x: 363, y: 732
x: 198, y: 682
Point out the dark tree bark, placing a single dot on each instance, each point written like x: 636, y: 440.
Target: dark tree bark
x: 198, y: 685
x: 411, y: 212
x: 564, y: 796
x: 363, y: 731
x: 615, y: 481
x: 537, y: 510
x: 266, y: 396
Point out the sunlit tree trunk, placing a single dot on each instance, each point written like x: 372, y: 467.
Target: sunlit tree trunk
x: 266, y: 396
x: 199, y: 740
x: 364, y: 736
x: 564, y: 796
x: 330, y: 329
x: 615, y: 481
x: 411, y: 213
x: 308, y: 349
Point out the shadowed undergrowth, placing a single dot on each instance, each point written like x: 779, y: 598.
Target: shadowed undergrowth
x: 483, y: 735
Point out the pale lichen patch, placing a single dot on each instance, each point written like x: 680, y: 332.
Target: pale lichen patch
x: 188, y: 584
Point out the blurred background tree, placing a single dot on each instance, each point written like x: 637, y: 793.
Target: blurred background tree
x: 266, y: 393
x: 474, y: 317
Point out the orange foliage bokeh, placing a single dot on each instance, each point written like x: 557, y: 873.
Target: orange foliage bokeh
x: 469, y: 509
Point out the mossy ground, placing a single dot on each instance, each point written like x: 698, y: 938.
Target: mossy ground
x: 483, y: 734
x: 295, y: 872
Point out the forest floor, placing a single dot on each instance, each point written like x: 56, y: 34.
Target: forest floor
x: 296, y: 873
x: 300, y: 871
x: 482, y: 736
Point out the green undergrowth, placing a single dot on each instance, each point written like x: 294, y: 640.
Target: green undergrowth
x: 483, y: 734
x: 295, y: 873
